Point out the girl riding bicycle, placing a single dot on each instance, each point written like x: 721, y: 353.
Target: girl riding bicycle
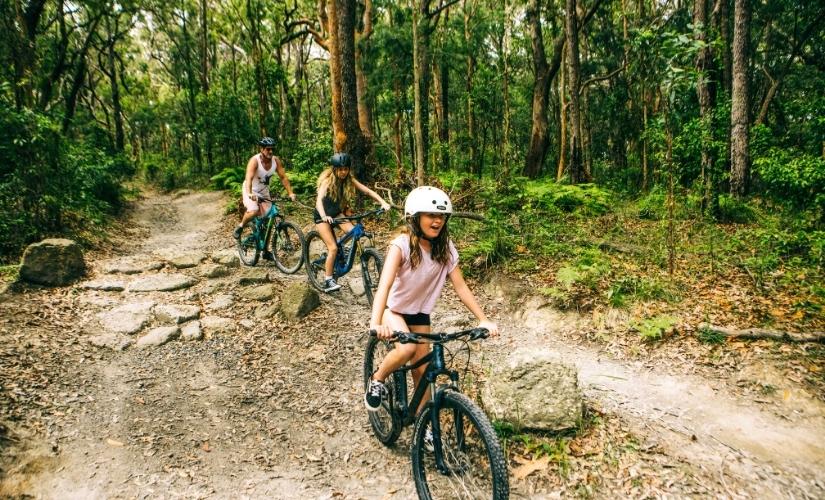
x: 416, y: 267
x: 336, y: 192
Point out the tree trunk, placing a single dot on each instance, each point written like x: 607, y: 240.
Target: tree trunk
x: 117, y: 110
x: 365, y: 118
x: 468, y: 85
x: 739, y: 155
x: 722, y: 19
x: 442, y: 107
x: 253, y: 18
x: 421, y: 86
x: 347, y: 131
x: 703, y: 67
x: 396, y: 130
x: 576, y: 168
x: 543, y: 74
x: 562, y: 127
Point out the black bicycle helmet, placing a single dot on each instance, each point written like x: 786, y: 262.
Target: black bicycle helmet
x: 267, y: 142
x: 339, y: 160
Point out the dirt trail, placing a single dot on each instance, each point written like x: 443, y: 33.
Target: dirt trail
x: 692, y: 418
x: 265, y: 409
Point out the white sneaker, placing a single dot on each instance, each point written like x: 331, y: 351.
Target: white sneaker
x: 330, y: 285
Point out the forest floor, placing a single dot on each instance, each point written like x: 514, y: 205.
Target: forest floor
x: 262, y: 408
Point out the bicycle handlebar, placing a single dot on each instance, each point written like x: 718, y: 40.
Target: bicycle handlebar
x: 436, y: 338
x: 377, y: 211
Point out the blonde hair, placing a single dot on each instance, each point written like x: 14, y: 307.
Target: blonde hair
x: 341, y: 191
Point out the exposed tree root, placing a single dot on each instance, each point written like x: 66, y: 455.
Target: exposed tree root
x: 763, y: 333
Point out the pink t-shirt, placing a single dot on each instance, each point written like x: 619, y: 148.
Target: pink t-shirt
x: 416, y: 290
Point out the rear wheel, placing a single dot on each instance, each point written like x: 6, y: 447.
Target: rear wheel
x: 371, y: 265
x: 385, y: 422
x: 248, y: 244
x: 316, y: 257
x: 288, y: 247
x: 473, y: 465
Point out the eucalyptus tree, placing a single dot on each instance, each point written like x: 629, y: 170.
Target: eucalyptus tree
x: 739, y: 116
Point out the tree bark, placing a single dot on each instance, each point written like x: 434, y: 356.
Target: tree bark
x: 421, y: 86
x: 469, y: 9
x: 253, y: 18
x: 576, y: 168
x: 739, y: 154
x: 442, y: 106
x: 117, y: 110
x: 703, y: 67
x: 722, y: 20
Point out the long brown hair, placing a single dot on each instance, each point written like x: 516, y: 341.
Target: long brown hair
x: 341, y: 191
x: 440, y: 246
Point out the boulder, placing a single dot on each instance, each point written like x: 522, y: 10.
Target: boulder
x: 534, y: 390
x: 186, y: 260
x: 298, y: 300
x: 52, y: 262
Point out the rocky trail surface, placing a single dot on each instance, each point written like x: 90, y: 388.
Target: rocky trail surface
x: 170, y: 372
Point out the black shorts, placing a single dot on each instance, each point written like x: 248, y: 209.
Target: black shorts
x: 317, y: 216
x: 420, y: 319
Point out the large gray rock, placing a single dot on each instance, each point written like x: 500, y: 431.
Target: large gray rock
x: 52, y: 262
x: 173, y: 313
x: 221, y: 301
x: 128, y: 318
x: 186, y: 260
x: 158, y: 336
x: 260, y: 293
x: 534, y: 390
x: 216, y: 324
x: 298, y: 300
x: 162, y: 282
x: 228, y: 258
x: 104, y: 285
x: 191, y: 331
x: 132, y: 267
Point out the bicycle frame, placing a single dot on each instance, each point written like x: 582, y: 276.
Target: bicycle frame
x: 437, y: 367
x: 346, y: 255
x: 263, y: 233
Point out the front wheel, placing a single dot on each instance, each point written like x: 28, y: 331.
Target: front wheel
x: 385, y: 422
x: 316, y: 257
x: 371, y: 265
x: 473, y: 463
x: 288, y: 247
x: 248, y: 244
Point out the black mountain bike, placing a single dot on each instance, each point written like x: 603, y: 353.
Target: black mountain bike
x: 370, y: 260
x: 455, y: 452
x: 272, y: 233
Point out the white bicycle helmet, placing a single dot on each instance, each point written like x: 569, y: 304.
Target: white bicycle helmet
x: 427, y: 199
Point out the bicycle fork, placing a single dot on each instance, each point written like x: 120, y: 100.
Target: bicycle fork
x: 437, y: 398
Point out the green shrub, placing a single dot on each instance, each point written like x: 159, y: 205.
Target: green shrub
x: 628, y: 288
x: 792, y: 176
x: 654, y: 328
x: 734, y: 210
x: 583, y: 199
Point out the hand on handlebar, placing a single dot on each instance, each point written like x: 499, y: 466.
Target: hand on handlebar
x: 293, y: 197
x: 490, y: 326
x: 253, y: 197
x: 328, y: 220
x: 383, y: 332
x: 386, y: 206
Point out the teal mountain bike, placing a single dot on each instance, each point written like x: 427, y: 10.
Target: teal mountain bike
x: 348, y: 249
x: 274, y: 237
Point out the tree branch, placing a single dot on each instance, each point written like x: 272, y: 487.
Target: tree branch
x: 603, y: 77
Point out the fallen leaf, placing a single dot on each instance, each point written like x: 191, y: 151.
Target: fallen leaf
x: 205, y: 446
x: 112, y: 442
x: 525, y: 470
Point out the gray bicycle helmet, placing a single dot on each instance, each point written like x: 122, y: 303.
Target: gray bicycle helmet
x: 267, y: 142
x: 339, y: 160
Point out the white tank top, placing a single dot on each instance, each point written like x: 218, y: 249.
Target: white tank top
x: 260, y: 181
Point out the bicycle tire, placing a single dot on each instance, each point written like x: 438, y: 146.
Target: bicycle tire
x: 315, y: 255
x: 386, y: 422
x: 248, y: 244
x: 475, y: 463
x: 371, y: 265
x: 287, y: 245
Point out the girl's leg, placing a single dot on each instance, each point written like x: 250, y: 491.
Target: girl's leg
x: 402, y: 352
x: 421, y: 351
x: 325, y: 230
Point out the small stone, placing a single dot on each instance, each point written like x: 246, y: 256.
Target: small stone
x: 186, y: 260
x: 253, y: 276
x: 109, y: 340
x: 215, y: 271
x: 221, y: 302
x: 191, y: 331
x: 130, y: 267
x: 356, y: 285
x: 216, y: 324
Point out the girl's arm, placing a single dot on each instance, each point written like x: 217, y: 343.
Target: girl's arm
x: 372, y: 194
x: 469, y: 300
x: 379, y: 303
x: 319, y: 202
